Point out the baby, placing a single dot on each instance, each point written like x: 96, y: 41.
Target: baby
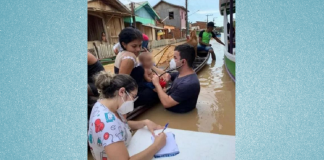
x: 146, y: 61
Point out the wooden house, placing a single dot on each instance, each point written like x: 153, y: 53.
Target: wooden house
x: 173, y: 15
x: 146, y: 19
x: 105, y: 16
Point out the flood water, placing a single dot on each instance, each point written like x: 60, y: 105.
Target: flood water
x: 215, y: 112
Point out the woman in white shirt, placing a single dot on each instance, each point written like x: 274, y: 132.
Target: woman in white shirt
x: 109, y: 132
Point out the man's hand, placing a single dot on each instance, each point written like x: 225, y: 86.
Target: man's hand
x: 156, y: 80
x: 166, y: 77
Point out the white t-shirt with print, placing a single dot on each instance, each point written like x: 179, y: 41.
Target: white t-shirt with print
x: 104, y: 129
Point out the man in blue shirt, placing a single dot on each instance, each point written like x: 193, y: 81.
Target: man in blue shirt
x: 185, y: 88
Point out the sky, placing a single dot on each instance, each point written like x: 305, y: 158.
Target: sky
x: 204, y: 6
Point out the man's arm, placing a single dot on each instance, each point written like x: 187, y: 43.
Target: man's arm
x: 219, y: 41
x: 165, y: 99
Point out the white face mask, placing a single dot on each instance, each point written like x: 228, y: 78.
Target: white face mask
x: 126, y: 107
x: 173, y: 64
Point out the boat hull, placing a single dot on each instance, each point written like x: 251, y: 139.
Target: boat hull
x: 229, y: 60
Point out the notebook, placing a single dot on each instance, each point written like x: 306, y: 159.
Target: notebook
x: 170, y: 148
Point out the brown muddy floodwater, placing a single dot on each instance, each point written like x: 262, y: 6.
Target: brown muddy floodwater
x: 215, y: 112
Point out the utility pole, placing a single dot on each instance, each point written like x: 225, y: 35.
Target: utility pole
x: 207, y: 16
x: 187, y: 25
x: 133, y: 14
x: 214, y: 19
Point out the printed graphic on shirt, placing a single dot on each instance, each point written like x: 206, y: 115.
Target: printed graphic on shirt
x: 110, y: 117
x: 90, y: 136
x: 109, y: 140
x: 99, y: 143
x: 99, y: 126
x: 106, y: 136
x: 120, y: 135
x: 113, y: 127
x: 95, y: 112
x: 103, y: 155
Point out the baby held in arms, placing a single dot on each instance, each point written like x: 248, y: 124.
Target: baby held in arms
x: 146, y: 61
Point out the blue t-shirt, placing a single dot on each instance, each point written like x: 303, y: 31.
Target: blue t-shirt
x: 185, y: 91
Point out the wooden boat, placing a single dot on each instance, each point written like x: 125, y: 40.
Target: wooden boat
x: 227, y: 7
x: 106, y: 61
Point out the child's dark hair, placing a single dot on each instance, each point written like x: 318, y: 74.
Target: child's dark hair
x: 187, y: 52
x: 129, y: 34
x: 107, y: 83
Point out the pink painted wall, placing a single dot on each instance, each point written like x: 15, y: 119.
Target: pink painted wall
x: 183, y: 18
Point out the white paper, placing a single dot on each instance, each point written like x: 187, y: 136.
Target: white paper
x: 170, y: 147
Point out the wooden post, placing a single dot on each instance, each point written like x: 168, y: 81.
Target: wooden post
x: 231, y: 27
x: 133, y: 14
x: 187, y: 25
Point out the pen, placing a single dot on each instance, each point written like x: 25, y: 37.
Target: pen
x: 165, y: 127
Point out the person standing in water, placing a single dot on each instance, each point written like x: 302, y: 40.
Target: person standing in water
x: 185, y: 88
x: 204, y: 38
x: 109, y: 132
